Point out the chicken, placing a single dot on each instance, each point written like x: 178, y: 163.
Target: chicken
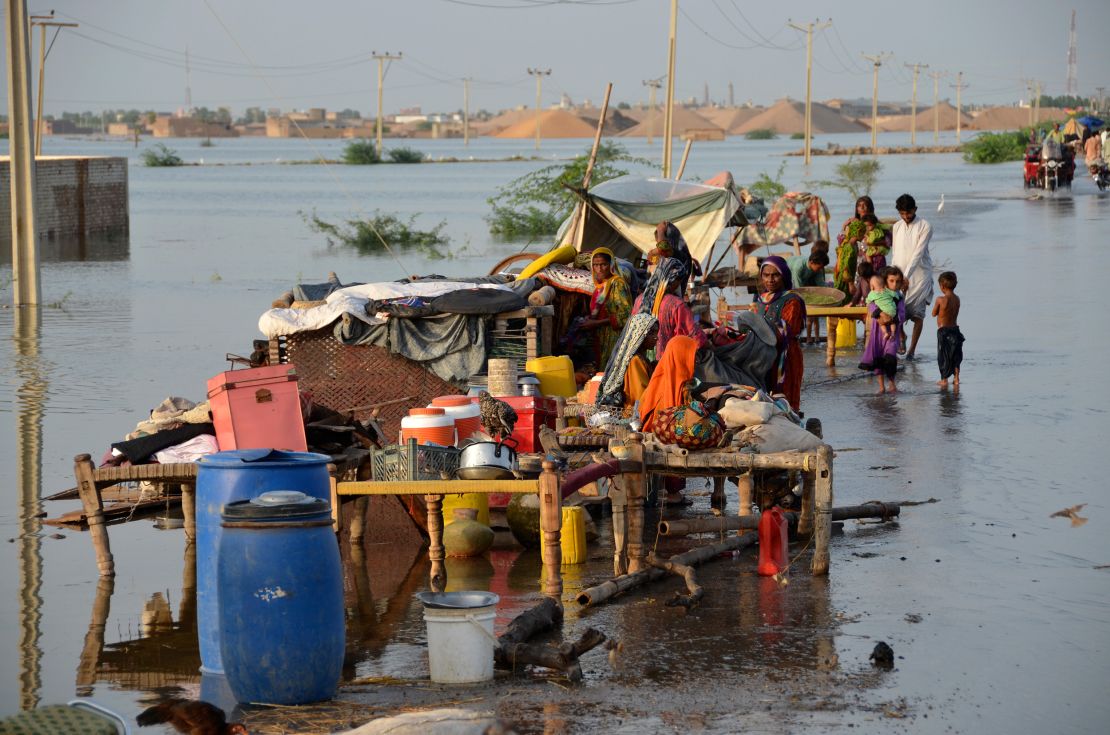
x: 498, y: 417
x: 192, y: 717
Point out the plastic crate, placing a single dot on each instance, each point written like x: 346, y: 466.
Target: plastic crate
x: 412, y: 461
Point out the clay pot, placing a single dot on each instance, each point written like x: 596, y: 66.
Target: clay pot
x: 466, y: 536
x: 523, y: 515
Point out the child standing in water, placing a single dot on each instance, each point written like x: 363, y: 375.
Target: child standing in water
x: 950, y: 341
x: 885, y: 295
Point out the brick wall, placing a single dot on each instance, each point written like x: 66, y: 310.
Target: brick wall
x: 75, y: 195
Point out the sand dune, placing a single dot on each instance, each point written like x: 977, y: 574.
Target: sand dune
x: 684, y: 120
x: 553, y: 124
x: 787, y: 117
x: 1011, y: 118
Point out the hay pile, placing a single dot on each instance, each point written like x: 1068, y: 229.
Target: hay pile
x: 787, y: 117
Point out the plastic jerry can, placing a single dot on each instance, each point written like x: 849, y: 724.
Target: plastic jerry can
x: 774, y: 554
x: 574, y: 535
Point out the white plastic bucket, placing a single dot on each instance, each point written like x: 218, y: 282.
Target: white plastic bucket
x: 460, y: 638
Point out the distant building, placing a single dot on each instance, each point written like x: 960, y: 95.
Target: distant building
x: 63, y: 127
x: 190, y: 127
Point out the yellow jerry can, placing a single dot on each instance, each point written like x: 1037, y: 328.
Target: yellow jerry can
x: 574, y: 535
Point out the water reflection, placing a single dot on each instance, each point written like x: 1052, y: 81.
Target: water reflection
x: 31, y: 402
x: 95, y: 247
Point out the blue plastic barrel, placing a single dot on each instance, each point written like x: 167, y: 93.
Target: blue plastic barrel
x: 282, y: 634
x: 225, y: 477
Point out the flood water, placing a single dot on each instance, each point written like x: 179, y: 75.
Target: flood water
x: 997, y: 614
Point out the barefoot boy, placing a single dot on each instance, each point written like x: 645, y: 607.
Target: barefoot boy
x: 950, y: 341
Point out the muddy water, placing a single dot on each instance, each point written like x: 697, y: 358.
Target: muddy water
x: 994, y: 609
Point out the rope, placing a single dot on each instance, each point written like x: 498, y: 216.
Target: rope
x: 311, y: 145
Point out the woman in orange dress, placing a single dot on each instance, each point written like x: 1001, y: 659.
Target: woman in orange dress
x: 785, y: 311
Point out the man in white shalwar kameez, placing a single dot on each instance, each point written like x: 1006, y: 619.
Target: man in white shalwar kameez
x: 910, y: 252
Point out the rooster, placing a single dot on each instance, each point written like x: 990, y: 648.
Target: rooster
x: 498, y: 417
x: 191, y: 717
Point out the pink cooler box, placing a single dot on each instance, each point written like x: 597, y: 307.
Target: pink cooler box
x: 258, y: 408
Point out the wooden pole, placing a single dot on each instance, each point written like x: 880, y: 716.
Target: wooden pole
x: 189, y: 510
x: 960, y: 86
x: 94, y: 514
x: 649, y: 119
x: 42, y: 86
x: 25, y: 255
x: 539, y: 74
x: 808, y: 124
x: 688, y: 526
x: 551, y: 522
x: 89, y: 661
x: 668, y: 116
x: 438, y: 574
x: 744, y: 488
x: 635, y: 492
x: 381, y: 58
x: 685, y: 156
x: 466, y: 111
x: 823, y: 501
x: 578, y: 224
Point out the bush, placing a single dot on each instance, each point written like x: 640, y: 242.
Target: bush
x: 369, y: 236
x: 769, y: 189
x: 361, y: 153
x: 761, y: 134
x: 405, y: 155
x: 160, y: 155
x: 534, y: 205
x: 857, y: 177
x: 797, y: 136
x: 996, y: 147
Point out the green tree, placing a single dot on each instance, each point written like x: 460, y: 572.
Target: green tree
x: 534, y: 205
x: 857, y: 177
x: 769, y: 189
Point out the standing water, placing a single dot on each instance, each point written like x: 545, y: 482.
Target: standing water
x: 998, y: 615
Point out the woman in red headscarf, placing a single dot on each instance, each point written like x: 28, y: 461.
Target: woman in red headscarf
x: 785, y: 311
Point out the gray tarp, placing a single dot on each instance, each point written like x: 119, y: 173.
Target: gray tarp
x: 453, y: 346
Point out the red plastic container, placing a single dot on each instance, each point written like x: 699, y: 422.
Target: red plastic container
x: 774, y: 553
x: 257, y: 408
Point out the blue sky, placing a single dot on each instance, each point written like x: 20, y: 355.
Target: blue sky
x: 317, y: 54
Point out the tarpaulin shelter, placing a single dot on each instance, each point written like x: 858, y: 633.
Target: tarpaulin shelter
x: 621, y: 214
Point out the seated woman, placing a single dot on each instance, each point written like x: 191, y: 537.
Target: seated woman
x: 786, y: 312
x: 670, y: 244
x: 660, y: 299
x: 666, y: 390
x: 610, y: 306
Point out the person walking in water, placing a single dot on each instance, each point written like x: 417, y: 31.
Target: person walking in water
x: 910, y: 254
x: 950, y: 340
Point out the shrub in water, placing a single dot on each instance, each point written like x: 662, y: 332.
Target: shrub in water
x: 160, y: 155
x: 360, y: 153
x: 369, y: 236
x: 405, y: 155
x: 761, y: 134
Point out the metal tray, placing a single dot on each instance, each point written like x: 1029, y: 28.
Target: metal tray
x: 465, y: 600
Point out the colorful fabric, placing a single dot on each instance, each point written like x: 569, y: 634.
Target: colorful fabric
x: 786, y: 313
x: 628, y: 344
x: 635, y: 380
x: 845, y: 271
x: 690, y: 426
x: 950, y: 351
x: 566, y: 278
x: 795, y: 214
x: 881, y: 353
x: 613, y: 302
x: 666, y: 388
x: 668, y: 271
x: 675, y: 318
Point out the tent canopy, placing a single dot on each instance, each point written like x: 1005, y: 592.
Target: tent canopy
x: 622, y: 213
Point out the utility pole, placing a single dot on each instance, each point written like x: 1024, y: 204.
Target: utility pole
x: 653, y: 85
x: 668, y: 116
x: 188, y: 86
x: 382, y: 58
x: 936, y: 75
x: 960, y: 87
x: 25, y: 254
x: 913, y: 101
x: 809, y: 28
x: 466, y: 111
x: 539, y: 74
x: 1037, y: 104
x: 1029, y: 89
x: 876, y: 61
x: 1101, y: 98
x: 42, y: 21
x: 731, y: 99
x: 1073, y: 66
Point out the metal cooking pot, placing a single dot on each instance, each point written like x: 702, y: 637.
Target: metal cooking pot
x: 487, y: 454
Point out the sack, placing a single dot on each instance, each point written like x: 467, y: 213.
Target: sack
x: 690, y: 426
x: 780, y: 434
x: 740, y: 412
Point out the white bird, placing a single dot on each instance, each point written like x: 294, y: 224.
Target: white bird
x: 940, y: 207
x: 202, y: 162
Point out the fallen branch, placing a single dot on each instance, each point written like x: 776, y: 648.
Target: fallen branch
x: 873, y: 509
x: 600, y: 593
x: 513, y: 650
x: 694, y: 589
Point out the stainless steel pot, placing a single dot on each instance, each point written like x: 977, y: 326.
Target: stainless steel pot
x: 487, y: 454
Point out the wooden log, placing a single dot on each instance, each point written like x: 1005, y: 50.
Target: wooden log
x: 94, y: 512
x: 551, y: 522
x: 686, y: 526
x: 564, y: 658
x: 436, y: 552
x: 823, y: 500
x: 607, y: 590
x: 694, y: 590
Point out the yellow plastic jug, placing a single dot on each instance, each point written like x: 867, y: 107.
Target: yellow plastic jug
x: 556, y: 375
x: 574, y: 535
x: 846, y: 333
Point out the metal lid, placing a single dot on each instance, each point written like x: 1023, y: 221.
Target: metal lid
x: 463, y: 600
x: 277, y: 505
